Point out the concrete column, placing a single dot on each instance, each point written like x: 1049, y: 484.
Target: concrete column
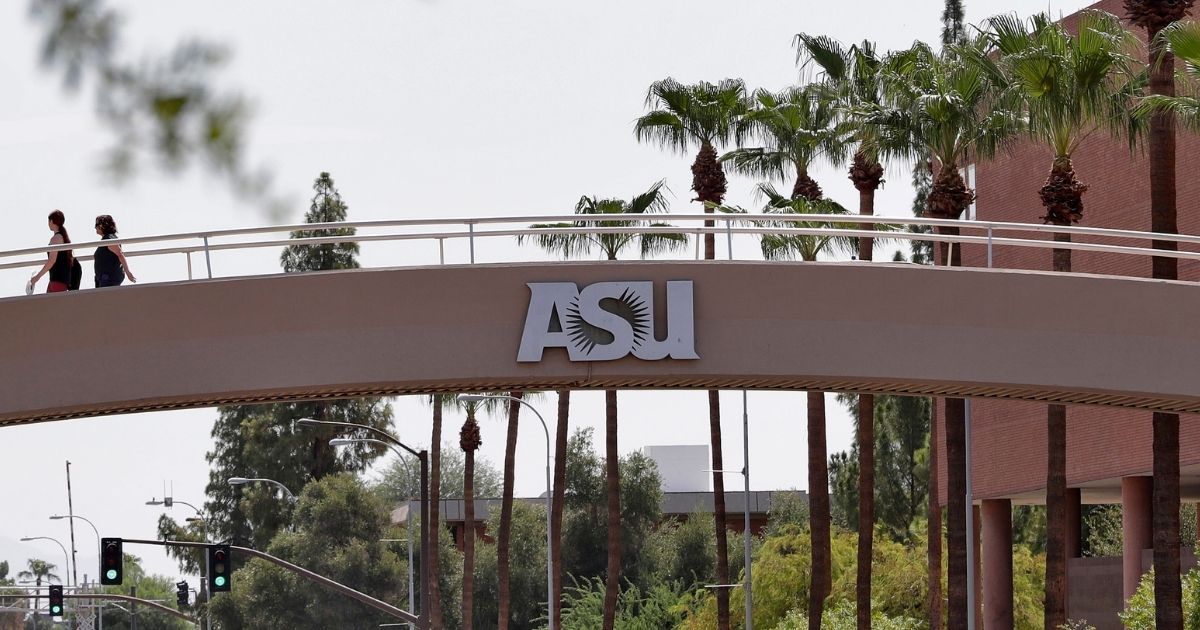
x: 996, y: 517
x: 1135, y: 529
x: 1074, y: 522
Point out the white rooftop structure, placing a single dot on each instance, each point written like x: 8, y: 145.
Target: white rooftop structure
x: 682, y: 466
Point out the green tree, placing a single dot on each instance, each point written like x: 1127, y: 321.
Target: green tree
x: 585, y: 525
x: 399, y: 482
x: 695, y: 551
x: 338, y: 526
x: 527, y: 580
x: 901, y: 453
x: 438, y: 402
x: 263, y: 441
x: 705, y: 116
x: 490, y: 484
x: 952, y: 23
x: 326, y: 207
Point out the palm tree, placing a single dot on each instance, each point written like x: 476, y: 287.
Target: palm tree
x: 800, y: 126
x: 1155, y: 16
x: 438, y: 402
x: 581, y: 243
x: 945, y: 105
x: 1069, y: 88
x: 469, y: 440
x: 38, y: 570
x: 1182, y: 40
x: 809, y: 248
x: 504, y: 537
x: 702, y: 115
x: 558, y: 503
x: 853, y: 73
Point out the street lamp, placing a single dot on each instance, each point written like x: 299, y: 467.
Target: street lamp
x: 241, y: 481
x: 423, y: 458
x: 59, y: 517
x: 60, y: 545
x: 745, y: 473
x: 468, y: 398
x: 171, y: 501
x: 408, y: 516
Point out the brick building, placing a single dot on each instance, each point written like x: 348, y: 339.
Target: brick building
x: 1108, y: 450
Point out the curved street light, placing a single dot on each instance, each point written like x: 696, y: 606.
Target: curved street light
x: 60, y: 545
x: 549, y: 494
x: 408, y: 517
x: 423, y: 458
x: 241, y: 481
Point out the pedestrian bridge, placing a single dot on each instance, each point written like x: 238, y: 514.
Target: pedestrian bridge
x: 854, y: 326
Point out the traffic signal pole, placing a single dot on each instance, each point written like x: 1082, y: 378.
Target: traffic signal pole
x: 379, y: 605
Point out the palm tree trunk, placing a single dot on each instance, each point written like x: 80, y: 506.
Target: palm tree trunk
x: 559, y: 500
x: 956, y: 515
x: 818, y: 513
x: 718, y: 464
x: 468, y: 596
x: 934, y: 533
x: 435, y: 500
x: 612, y: 468
x: 504, y: 538
x: 866, y: 174
x: 1062, y: 195
x: 805, y: 186
x: 1056, y: 516
x: 1168, y: 596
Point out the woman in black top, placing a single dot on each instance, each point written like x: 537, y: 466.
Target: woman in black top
x: 111, y: 267
x: 58, y: 264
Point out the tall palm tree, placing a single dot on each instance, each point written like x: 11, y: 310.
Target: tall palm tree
x: 1069, y: 86
x: 469, y: 440
x: 945, y: 105
x: 809, y: 248
x: 611, y: 245
x: 558, y: 502
x: 438, y: 402
x: 1155, y: 16
x: 504, y: 537
x: 38, y: 570
x: 702, y: 115
x: 1182, y: 40
x: 853, y: 73
x: 800, y: 126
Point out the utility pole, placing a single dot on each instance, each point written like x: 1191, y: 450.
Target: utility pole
x: 133, y: 609
x: 71, y: 525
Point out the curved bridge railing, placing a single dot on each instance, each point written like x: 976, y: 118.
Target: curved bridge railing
x: 986, y: 236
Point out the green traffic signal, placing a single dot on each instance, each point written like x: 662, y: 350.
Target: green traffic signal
x: 219, y: 580
x: 112, y: 574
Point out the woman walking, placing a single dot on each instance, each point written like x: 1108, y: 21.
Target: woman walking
x: 58, y: 264
x: 111, y: 267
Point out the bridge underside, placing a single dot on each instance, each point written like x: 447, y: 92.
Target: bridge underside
x: 876, y: 327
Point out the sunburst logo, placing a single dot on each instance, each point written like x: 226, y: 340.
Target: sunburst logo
x: 606, y: 321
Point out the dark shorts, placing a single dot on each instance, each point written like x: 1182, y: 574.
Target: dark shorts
x: 109, y: 280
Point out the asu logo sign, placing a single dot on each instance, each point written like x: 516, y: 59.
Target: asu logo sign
x: 607, y: 321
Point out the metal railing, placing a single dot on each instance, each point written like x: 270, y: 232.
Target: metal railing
x: 989, y: 235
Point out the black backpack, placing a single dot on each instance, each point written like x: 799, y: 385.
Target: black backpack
x: 76, y: 274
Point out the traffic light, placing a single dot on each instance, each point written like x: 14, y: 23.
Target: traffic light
x: 56, y: 600
x: 220, y: 567
x: 111, y: 561
x: 181, y: 594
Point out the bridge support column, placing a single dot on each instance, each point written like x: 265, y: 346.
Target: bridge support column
x: 1135, y: 529
x: 996, y: 515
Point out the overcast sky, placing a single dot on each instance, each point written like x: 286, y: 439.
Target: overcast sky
x: 418, y: 109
